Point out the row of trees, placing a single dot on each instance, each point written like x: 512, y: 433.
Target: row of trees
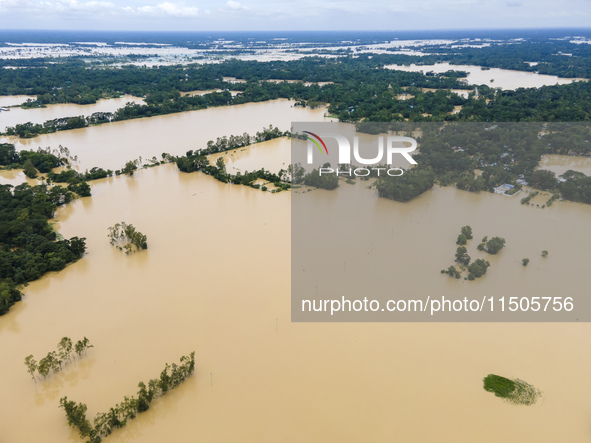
x: 196, y: 160
x: 223, y: 144
x: 105, y: 423
x: 53, y: 362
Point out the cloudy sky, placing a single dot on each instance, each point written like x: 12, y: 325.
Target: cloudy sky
x: 210, y: 15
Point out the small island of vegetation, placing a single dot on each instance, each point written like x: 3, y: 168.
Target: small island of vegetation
x: 515, y: 391
x: 127, y: 238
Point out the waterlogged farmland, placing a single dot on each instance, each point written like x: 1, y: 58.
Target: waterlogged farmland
x: 211, y: 268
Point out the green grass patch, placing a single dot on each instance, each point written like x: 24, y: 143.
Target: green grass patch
x: 514, y: 391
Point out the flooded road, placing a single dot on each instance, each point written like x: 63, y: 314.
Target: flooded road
x: 216, y: 279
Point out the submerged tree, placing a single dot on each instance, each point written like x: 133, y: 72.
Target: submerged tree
x: 462, y: 239
x: 467, y: 231
x: 104, y: 423
x: 53, y: 361
x: 462, y: 255
x: 126, y: 237
x: 130, y: 167
x: 29, y: 169
x: 31, y: 364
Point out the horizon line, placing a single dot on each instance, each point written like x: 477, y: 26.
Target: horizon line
x: 304, y: 30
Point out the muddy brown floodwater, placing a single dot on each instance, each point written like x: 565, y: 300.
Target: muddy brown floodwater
x: 216, y: 279
x: 41, y: 115
x: 111, y: 145
x: 559, y: 164
x: 493, y: 77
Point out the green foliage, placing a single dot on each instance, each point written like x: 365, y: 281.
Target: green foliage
x: 494, y: 245
x: 192, y: 163
x: 501, y: 386
x: 544, y: 253
x: 462, y: 240
x: 77, y: 182
x: 29, y: 169
x: 407, y: 186
x: 220, y: 164
x: 525, y: 261
x: 478, y: 268
x: 130, y: 167
x: 452, y: 272
x: 322, y: 181
x: 297, y: 173
x: 467, y: 231
x: 117, y: 416
x: 577, y: 187
x: 462, y: 255
x: 526, y: 200
x: 543, y: 179
x: 53, y: 361
x: 126, y: 237
x: 197, y: 160
x: 8, y: 154
x: 513, y: 391
x: 28, y: 246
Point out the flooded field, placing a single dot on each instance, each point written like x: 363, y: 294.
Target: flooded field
x: 13, y: 100
x: 493, y: 77
x: 111, y: 145
x: 272, y: 155
x: 41, y: 115
x: 216, y: 279
x: 559, y: 164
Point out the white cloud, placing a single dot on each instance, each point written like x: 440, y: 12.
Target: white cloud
x: 75, y: 6
x: 235, y: 6
x: 165, y: 9
x: 65, y: 7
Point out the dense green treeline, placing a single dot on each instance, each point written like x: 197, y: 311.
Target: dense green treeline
x: 42, y: 160
x: 361, y: 89
x: 552, y: 57
x: 73, y: 81
x: 407, y: 186
x: 77, y: 181
x: 28, y: 246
